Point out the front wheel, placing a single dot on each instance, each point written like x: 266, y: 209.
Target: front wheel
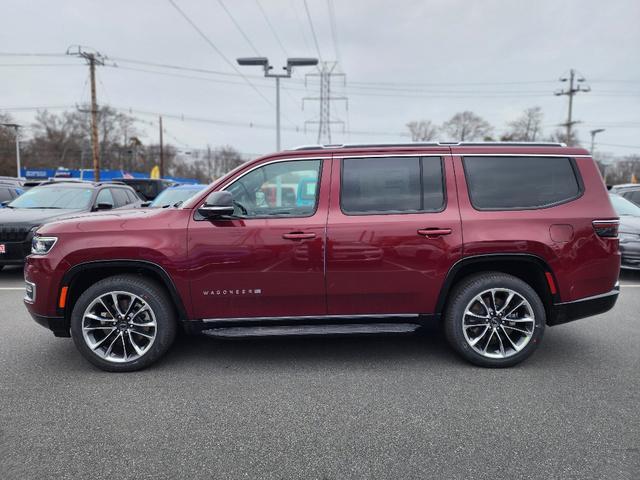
x: 123, y: 323
x: 494, y: 319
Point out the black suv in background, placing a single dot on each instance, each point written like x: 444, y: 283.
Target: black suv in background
x: 147, y: 188
x: 53, y: 201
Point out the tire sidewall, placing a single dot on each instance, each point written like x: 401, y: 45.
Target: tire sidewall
x: 151, y: 293
x: 466, y: 292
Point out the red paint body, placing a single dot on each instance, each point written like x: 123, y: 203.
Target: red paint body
x: 345, y: 265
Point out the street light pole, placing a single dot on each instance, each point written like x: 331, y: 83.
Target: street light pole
x: 593, y: 138
x: 264, y: 63
x: 15, y: 126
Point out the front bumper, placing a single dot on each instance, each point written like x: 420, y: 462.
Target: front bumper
x: 585, y: 307
x: 58, y: 325
x: 15, y: 252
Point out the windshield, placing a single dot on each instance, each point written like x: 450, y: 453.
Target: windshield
x: 622, y: 206
x: 54, y: 197
x: 171, y: 196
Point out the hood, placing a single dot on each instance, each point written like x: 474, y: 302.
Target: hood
x: 629, y: 224
x: 120, y: 220
x: 33, y: 216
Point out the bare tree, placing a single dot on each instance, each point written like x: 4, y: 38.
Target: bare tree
x: 422, y: 131
x: 467, y: 126
x: 526, y: 128
x: 7, y: 147
x: 560, y: 135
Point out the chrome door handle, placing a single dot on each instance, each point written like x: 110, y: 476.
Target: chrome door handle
x: 298, y: 236
x: 434, y: 232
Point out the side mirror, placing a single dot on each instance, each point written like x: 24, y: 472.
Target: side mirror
x: 145, y: 204
x: 218, y: 204
x: 103, y: 206
x: 4, y: 204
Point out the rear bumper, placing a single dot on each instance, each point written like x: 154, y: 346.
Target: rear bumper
x: 585, y: 307
x: 58, y: 325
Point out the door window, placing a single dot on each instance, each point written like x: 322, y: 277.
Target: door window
x: 281, y: 189
x: 120, y: 197
x: 391, y: 185
x: 104, y: 196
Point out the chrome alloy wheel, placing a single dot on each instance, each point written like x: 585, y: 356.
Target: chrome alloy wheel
x: 498, y: 323
x: 119, y: 327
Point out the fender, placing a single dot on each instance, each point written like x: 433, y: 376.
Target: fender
x: 491, y: 258
x: 139, y: 265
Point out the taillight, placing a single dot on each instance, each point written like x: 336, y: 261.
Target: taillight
x: 606, y: 228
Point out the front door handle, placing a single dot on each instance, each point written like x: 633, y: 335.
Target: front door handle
x: 434, y: 232
x: 298, y: 236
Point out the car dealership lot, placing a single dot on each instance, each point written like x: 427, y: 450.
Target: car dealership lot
x: 383, y: 407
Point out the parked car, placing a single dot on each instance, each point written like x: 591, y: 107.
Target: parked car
x: 175, y: 195
x: 147, y: 188
x: 497, y: 241
x: 52, y: 201
x: 16, y: 182
x: 8, y: 191
x: 630, y: 191
x: 629, y: 234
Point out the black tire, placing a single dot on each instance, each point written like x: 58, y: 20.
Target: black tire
x: 150, y: 292
x: 462, y: 296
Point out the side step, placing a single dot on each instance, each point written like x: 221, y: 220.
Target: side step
x: 308, y: 330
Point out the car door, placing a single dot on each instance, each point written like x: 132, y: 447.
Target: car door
x: 268, y: 259
x: 393, y: 233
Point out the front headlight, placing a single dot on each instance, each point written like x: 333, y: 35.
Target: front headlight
x: 42, y: 245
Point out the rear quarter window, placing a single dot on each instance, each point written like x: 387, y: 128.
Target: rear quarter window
x: 520, y: 182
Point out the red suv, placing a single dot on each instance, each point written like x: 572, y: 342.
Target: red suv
x: 494, y: 240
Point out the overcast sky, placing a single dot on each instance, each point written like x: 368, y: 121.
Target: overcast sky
x: 404, y: 60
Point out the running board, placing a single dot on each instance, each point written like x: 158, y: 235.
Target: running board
x: 309, y: 330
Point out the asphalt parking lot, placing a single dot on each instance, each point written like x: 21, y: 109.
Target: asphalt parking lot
x: 383, y: 407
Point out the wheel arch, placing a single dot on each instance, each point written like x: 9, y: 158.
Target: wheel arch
x: 530, y: 268
x: 78, y: 278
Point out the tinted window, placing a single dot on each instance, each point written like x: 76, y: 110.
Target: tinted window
x: 5, y: 195
x: 505, y: 183
x: 133, y: 198
x: 281, y: 189
x: 634, y: 197
x: 391, y: 184
x: 120, y: 197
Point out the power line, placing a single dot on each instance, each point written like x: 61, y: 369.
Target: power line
x: 299, y: 22
x: 313, y: 30
x: 13, y: 54
x: 332, y: 24
x: 218, y: 51
x: 273, y: 30
x: 253, y: 47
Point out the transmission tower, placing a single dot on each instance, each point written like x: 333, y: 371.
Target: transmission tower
x: 325, y: 73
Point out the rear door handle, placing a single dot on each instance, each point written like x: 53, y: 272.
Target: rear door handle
x: 434, y: 232
x: 298, y: 236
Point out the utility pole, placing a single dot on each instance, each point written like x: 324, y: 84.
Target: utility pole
x: 93, y: 58
x: 574, y: 87
x: 324, y: 121
x: 161, y: 150
x: 16, y: 127
x: 264, y: 63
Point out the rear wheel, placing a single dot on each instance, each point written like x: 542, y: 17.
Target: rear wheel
x: 494, y: 319
x: 123, y: 323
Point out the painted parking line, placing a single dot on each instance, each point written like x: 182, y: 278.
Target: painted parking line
x: 11, y: 288
x: 634, y: 285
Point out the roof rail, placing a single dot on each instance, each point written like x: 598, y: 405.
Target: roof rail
x: 431, y: 144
